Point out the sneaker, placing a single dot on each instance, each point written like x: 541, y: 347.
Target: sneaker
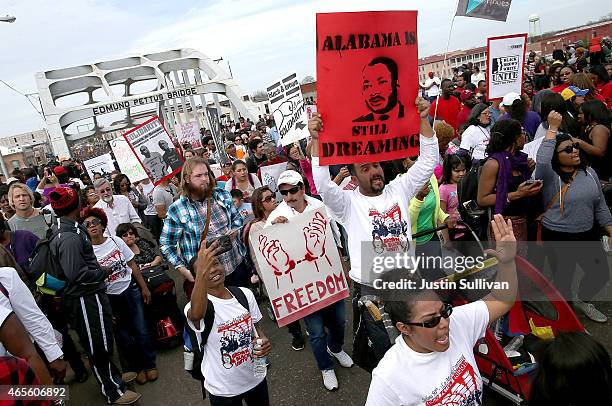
x: 128, y: 377
x: 343, y: 358
x: 590, y: 311
x: 329, y: 379
x: 128, y: 398
x: 297, y: 343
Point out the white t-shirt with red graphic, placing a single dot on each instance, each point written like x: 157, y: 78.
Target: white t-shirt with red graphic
x: 114, y: 253
x: 406, y: 377
x: 227, y: 363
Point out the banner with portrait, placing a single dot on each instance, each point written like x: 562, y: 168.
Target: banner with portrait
x: 505, y: 61
x: 367, y: 83
x: 300, y: 266
x: 127, y: 160
x: 155, y: 151
x: 288, y: 109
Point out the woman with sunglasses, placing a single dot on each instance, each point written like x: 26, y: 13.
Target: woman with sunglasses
x: 574, y: 204
x: 242, y: 180
x: 432, y: 361
x: 146, y: 253
x: 126, y: 290
x: 563, y: 81
x: 504, y: 183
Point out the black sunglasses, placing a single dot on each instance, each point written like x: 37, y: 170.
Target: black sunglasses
x: 570, y: 148
x: 268, y: 199
x: 94, y: 222
x: 447, y: 310
x: 292, y: 191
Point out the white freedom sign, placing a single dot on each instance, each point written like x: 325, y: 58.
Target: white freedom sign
x: 189, y: 133
x: 302, y: 273
x: 505, y: 61
x: 269, y: 177
x: 101, y: 165
x: 288, y: 109
x: 127, y: 161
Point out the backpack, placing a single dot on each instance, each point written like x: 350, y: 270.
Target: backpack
x: 198, y: 340
x: 467, y: 193
x: 44, y: 268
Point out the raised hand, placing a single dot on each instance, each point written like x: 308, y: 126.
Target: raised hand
x: 422, y: 106
x: 505, y: 242
x: 315, y: 124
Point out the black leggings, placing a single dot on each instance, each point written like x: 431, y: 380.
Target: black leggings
x: 566, y: 250
x: 258, y: 396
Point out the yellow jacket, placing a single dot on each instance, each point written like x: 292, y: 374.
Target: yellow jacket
x: 416, y: 204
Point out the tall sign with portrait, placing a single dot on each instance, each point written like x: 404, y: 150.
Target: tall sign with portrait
x: 367, y: 85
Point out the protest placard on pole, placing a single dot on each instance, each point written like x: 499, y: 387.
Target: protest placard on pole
x: 490, y: 10
x: 101, y: 165
x: 189, y: 133
x: 212, y: 117
x: 288, y: 109
x: 155, y: 151
x: 300, y: 266
x: 127, y: 161
x: 310, y: 110
x: 505, y: 61
x: 269, y: 177
x: 367, y: 85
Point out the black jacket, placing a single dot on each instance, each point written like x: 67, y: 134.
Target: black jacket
x: 77, y: 259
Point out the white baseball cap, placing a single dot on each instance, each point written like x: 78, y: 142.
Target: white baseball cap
x: 510, y: 98
x: 290, y: 178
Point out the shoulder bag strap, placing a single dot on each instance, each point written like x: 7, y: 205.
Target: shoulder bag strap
x: 208, y: 214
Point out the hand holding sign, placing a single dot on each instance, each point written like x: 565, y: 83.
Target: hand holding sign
x: 315, y: 124
x: 422, y: 106
x: 276, y: 256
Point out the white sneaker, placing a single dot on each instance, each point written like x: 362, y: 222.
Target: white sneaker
x: 343, y: 358
x: 590, y: 311
x: 329, y: 379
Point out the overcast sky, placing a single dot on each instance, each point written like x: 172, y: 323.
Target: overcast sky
x: 261, y: 39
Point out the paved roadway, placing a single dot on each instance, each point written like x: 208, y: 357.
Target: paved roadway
x: 293, y: 378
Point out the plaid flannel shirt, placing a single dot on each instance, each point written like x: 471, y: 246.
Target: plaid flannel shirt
x: 185, y: 222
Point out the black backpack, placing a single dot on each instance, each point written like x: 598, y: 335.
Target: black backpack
x: 198, y: 340
x: 43, y: 267
x: 467, y: 193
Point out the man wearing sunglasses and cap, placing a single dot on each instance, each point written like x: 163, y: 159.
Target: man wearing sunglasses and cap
x: 325, y: 346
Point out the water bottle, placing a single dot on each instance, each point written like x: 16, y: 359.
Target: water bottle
x: 260, y: 368
x: 514, y: 344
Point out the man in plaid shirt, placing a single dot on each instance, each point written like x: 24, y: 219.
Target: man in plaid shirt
x: 186, y: 221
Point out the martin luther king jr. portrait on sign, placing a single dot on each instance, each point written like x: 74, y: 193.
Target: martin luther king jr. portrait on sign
x: 379, y: 88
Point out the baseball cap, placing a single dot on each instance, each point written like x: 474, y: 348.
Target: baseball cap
x: 290, y: 178
x: 510, y: 98
x: 572, y: 91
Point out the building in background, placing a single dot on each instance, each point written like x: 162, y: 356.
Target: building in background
x: 543, y: 45
x: 26, y: 149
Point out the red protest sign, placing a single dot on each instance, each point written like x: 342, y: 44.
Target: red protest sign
x: 367, y: 81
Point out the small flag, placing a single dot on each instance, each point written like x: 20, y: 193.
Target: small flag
x: 489, y: 9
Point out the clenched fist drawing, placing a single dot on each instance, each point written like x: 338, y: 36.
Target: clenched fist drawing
x: 276, y: 256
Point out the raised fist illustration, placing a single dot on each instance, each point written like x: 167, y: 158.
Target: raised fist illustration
x: 276, y: 256
x: 314, y: 236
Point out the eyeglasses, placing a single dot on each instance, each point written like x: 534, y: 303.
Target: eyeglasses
x: 292, y: 191
x: 570, y: 148
x: 128, y: 233
x: 447, y: 310
x: 92, y: 223
x: 268, y: 199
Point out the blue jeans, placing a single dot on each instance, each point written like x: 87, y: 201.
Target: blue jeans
x: 334, y: 318
x: 131, y: 334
